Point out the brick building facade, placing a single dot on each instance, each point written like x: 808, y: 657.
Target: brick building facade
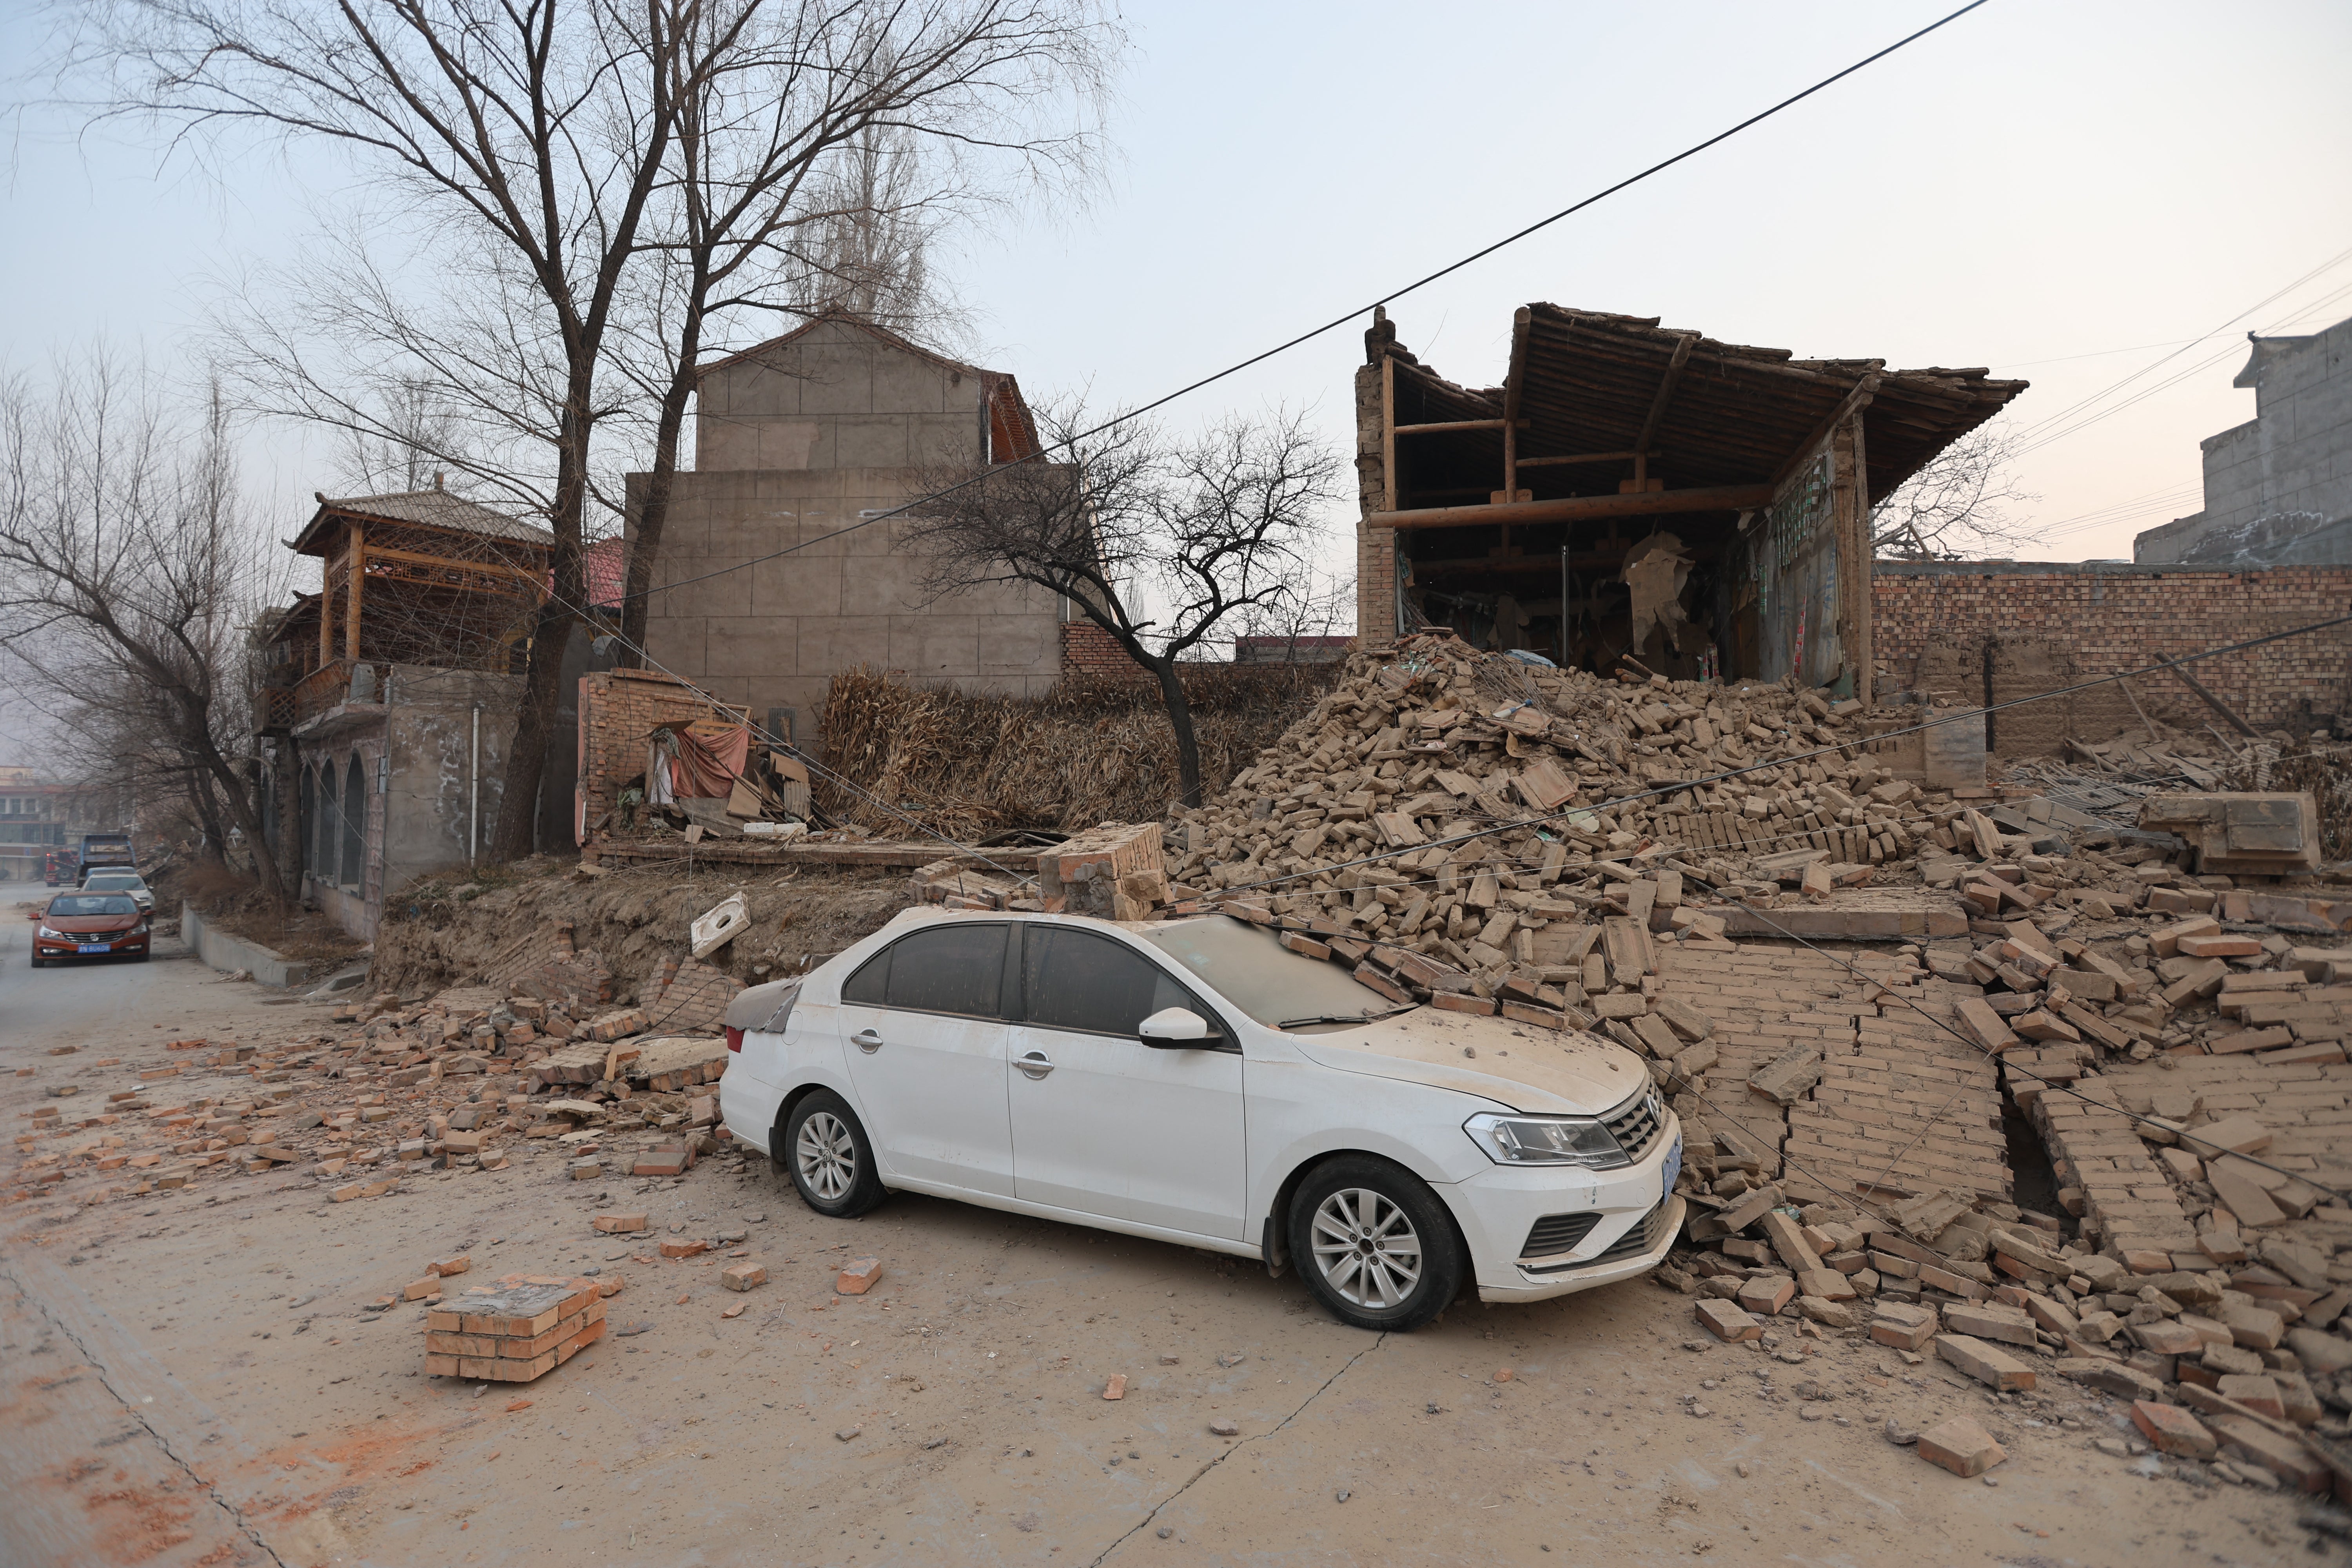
x: 619, y: 709
x: 1995, y: 631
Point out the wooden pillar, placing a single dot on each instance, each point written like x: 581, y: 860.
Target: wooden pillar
x: 357, y: 567
x: 327, y: 616
x: 1388, y: 433
x: 1861, y: 648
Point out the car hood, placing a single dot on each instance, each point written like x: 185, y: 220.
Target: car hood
x: 90, y: 925
x: 1526, y: 1068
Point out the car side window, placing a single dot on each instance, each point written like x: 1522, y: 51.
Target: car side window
x: 956, y: 969
x: 1076, y: 980
x: 870, y: 985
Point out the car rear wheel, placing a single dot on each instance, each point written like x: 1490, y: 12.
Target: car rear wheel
x: 1375, y: 1244
x: 829, y: 1158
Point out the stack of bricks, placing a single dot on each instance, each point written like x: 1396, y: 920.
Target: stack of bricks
x: 1912, y: 1109
x: 521, y: 1329
x: 1116, y: 871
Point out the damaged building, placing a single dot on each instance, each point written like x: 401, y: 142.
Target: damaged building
x: 1636, y: 489
x: 387, y: 699
x: 760, y: 596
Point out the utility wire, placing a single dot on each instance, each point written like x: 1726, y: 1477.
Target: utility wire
x: 1339, y: 321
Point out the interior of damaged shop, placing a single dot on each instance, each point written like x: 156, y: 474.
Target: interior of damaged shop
x: 1633, y: 488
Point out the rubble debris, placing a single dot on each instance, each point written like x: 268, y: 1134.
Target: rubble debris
x: 1961, y: 1446
x: 719, y: 925
x: 2266, y: 835
x: 857, y: 1277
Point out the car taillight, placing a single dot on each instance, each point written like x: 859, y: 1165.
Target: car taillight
x: 734, y: 1039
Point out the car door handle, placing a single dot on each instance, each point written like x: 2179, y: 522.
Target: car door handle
x: 1034, y: 1064
x: 867, y: 1040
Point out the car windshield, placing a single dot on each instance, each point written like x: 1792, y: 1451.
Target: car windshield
x: 76, y: 905
x: 126, y: 883
x: 1249, y: 967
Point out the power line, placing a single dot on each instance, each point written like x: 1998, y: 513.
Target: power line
x: 1343, y: 320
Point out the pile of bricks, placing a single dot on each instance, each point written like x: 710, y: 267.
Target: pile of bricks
x: 521, y: 1329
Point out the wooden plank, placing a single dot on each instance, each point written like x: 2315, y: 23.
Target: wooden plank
x: 1664, y: 395
x: 1574, y: 509
x: 715, y: 851
x: 1444, y: 424
x: 1583, y: 457
x: 451, y: 564
x: 1388, y: 431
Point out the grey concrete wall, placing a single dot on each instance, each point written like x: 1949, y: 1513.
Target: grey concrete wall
x: 417, y: 809
x: 838, y: 397
x: 2295, y: 457
x: 773, y: 635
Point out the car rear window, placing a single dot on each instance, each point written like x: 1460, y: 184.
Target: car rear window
x: 76, y: 905
x: 956, y: 969
x: 1249, y: 967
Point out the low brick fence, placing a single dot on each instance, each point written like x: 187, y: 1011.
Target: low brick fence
x: 1995, y: 631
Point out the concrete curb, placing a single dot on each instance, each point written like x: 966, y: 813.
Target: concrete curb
x: 230, y: 953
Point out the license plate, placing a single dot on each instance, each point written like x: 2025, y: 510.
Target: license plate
x: 96, y: 946
x: 1674, y: 1168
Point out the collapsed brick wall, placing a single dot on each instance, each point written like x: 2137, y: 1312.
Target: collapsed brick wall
x: 1999, y: 631
x: 618, y: 708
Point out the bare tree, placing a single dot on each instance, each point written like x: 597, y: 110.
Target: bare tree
x: 527, y: 144
x: 531, y: 132
x: 1958, y: 506
x: 130, y: 571
x: 816, y: 157
x: 1202, y: 531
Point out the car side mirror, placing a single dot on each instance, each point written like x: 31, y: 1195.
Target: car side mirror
x: 1175, y: 1027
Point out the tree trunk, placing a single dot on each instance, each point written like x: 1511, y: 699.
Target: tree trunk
x: 1173, y: 698
x: 653, y: 515
x: 517, y: 834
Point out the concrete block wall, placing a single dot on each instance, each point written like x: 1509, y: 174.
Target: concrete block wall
x: 775, y: 634
x: 2001, y: 630
x: 837, y: 397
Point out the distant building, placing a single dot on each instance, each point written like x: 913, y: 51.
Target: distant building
x: 2278, y: 488
x: 389, y: 699
x: 38, y: 815
x: 804, y: 436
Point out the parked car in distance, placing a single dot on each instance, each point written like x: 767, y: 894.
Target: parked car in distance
x: 103, y: 851
x: 91, y: 925
x: 1195, y: 1081
x: 129, y: 882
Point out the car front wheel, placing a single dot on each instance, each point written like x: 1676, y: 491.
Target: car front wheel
x: 830, y: 1160
x: 1375, y: 1244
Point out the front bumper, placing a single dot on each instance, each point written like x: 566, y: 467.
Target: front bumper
x: 1638, y: 1224
x: 71, y: 947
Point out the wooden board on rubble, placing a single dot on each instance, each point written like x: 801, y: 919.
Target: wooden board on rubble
x: 1860, y: 914
x: 886, y: 854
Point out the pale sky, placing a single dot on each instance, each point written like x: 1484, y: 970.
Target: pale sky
x: 2063, y: 192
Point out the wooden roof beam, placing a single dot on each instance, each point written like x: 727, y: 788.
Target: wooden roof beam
x: 1857, y: 397
x: 1575, y: 509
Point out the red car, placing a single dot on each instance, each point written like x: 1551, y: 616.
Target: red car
x: 93, y: 925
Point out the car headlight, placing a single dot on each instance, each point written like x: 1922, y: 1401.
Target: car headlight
x: 1544, y: 1139
x: 53, y: 935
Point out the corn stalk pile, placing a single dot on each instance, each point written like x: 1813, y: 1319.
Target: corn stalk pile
x: 1089, y: 751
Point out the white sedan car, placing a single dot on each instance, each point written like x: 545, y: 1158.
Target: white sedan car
x: 1195, y: 1081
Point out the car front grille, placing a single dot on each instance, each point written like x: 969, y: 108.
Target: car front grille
x: 1641, y: 1237
x: 1637, y: 1124
x: 1557, y: 1232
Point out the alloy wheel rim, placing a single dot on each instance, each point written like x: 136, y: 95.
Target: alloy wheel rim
x: 826, y: 1157
x: 1366, y: 1248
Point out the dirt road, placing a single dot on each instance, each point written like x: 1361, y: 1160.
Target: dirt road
x: 194, y: 1377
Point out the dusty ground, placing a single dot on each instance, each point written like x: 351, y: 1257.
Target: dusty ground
x: 190, y: 1378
